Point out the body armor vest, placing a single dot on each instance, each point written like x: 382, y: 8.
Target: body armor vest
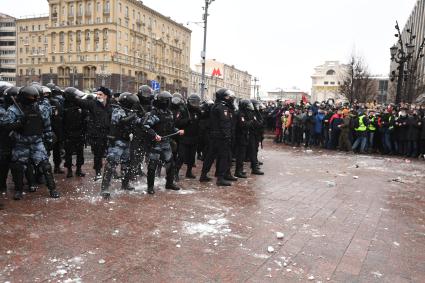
x: 34, y: 122
x: 166, y: 124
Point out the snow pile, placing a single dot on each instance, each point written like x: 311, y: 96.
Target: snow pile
x: 213, y: 227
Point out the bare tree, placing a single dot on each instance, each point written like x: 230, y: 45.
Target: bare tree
x: 357, y: 84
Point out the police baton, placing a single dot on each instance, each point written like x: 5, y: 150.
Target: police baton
x: 170, y: 135
x: 17, y: 105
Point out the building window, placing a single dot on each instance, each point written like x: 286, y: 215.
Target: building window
x: 330, y: 73
x: 332, y: 83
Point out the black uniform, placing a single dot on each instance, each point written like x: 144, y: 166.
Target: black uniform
x: 189, y: 122
x: 220, y: 141
x: 57, y: 127
x: 74, y: 131
x: 160, y: 122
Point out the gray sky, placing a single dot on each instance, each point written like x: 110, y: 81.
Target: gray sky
x: 279, y: 41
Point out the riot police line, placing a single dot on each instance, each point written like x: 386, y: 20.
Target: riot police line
x: 159, y: 130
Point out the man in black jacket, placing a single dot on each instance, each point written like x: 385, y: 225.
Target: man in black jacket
x: 220, y: 137
x: 100, y: 116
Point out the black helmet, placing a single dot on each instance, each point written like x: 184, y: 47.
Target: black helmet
x: 51, y: 86
x: 56, y: 90
x: 9, y: 94
x: 194, y: 100
x: 28, y: 94
x: 246, y: 104
x: 72, y: 91
x: 145, y: 91
x: 128, y: 100
x: 38, y: 87
x: 256, y: 104
x: 177, y: 99
x: 222, y: 93
x: 163, y: 99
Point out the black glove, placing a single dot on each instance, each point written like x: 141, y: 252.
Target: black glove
x: 129, y: 118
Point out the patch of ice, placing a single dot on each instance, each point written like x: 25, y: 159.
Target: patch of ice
x: 270, y: 249
x: 377, y: 274
x: 290, y: 219
x: 280, y: 235
x: 101, y: 261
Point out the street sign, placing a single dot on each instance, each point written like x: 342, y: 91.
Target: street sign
x: 155, y: 85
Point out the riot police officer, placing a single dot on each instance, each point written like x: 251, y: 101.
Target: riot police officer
x: 100, y: 119
x: 221, y: 117
x: 138, y: 145
x: 74, y: 130
x: 119, y: 142
x: 188, y: 120
x: 5, y: 141
x: 31, y: 130
x: 159, y: 124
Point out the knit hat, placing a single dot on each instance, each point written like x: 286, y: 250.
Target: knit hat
x: 106, y: 91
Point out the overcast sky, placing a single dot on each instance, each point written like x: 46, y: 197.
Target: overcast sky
x: 279, y: 41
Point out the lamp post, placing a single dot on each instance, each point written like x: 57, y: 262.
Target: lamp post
x: 204, y: 50
x: 401, y: 53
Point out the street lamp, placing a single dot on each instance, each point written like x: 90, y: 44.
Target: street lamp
x: 204, y: 50
x: 401, y: 53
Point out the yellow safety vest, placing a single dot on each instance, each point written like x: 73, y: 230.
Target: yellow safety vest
x: 372, y: 127
x: 362, y: 127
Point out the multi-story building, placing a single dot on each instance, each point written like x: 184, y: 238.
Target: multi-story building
x: 7, y: 48
x: 227, y: 76
x: 121, y: 44
x: 288, y: 95
x: 416, y: 25
x: 326, y: 81
x: 212, y: 84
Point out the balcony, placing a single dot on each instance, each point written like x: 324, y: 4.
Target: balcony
x: 106, y: 11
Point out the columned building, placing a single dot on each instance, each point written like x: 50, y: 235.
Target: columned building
x: 7, y: 48
x: 212, y: 84
x: 326, y: 81
x: 120, y: 44
x: 227, y: 76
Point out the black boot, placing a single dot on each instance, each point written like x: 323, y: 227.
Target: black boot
x: 240, y: 174
x: 98, y: 175
x: 222, y: 182
x: 58, y: 170
x: 151, y: 181
x: 231, y: 178
x: 69, y: 174
x: 32, y: 189
x: 18, y: 178
x: 50, y: 181
x: 257, y: 171
x: 79, y: 173
x: 171, y: 186
x: 125, y: 171
x: 189, y: 173
x: 106, y: 181
x: 204, y: 178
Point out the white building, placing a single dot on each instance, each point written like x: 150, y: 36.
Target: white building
x: 326, y: 81
x: 7, y: 49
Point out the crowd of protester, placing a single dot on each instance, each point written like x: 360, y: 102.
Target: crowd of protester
x: 361, y: 128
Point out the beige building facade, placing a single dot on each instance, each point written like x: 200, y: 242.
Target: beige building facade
x: 7, y: 48
x: 120, y: 44
x: 288, y: 95
x: 227, y: 76
x: 326, y: 81
x: 212, y: 84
